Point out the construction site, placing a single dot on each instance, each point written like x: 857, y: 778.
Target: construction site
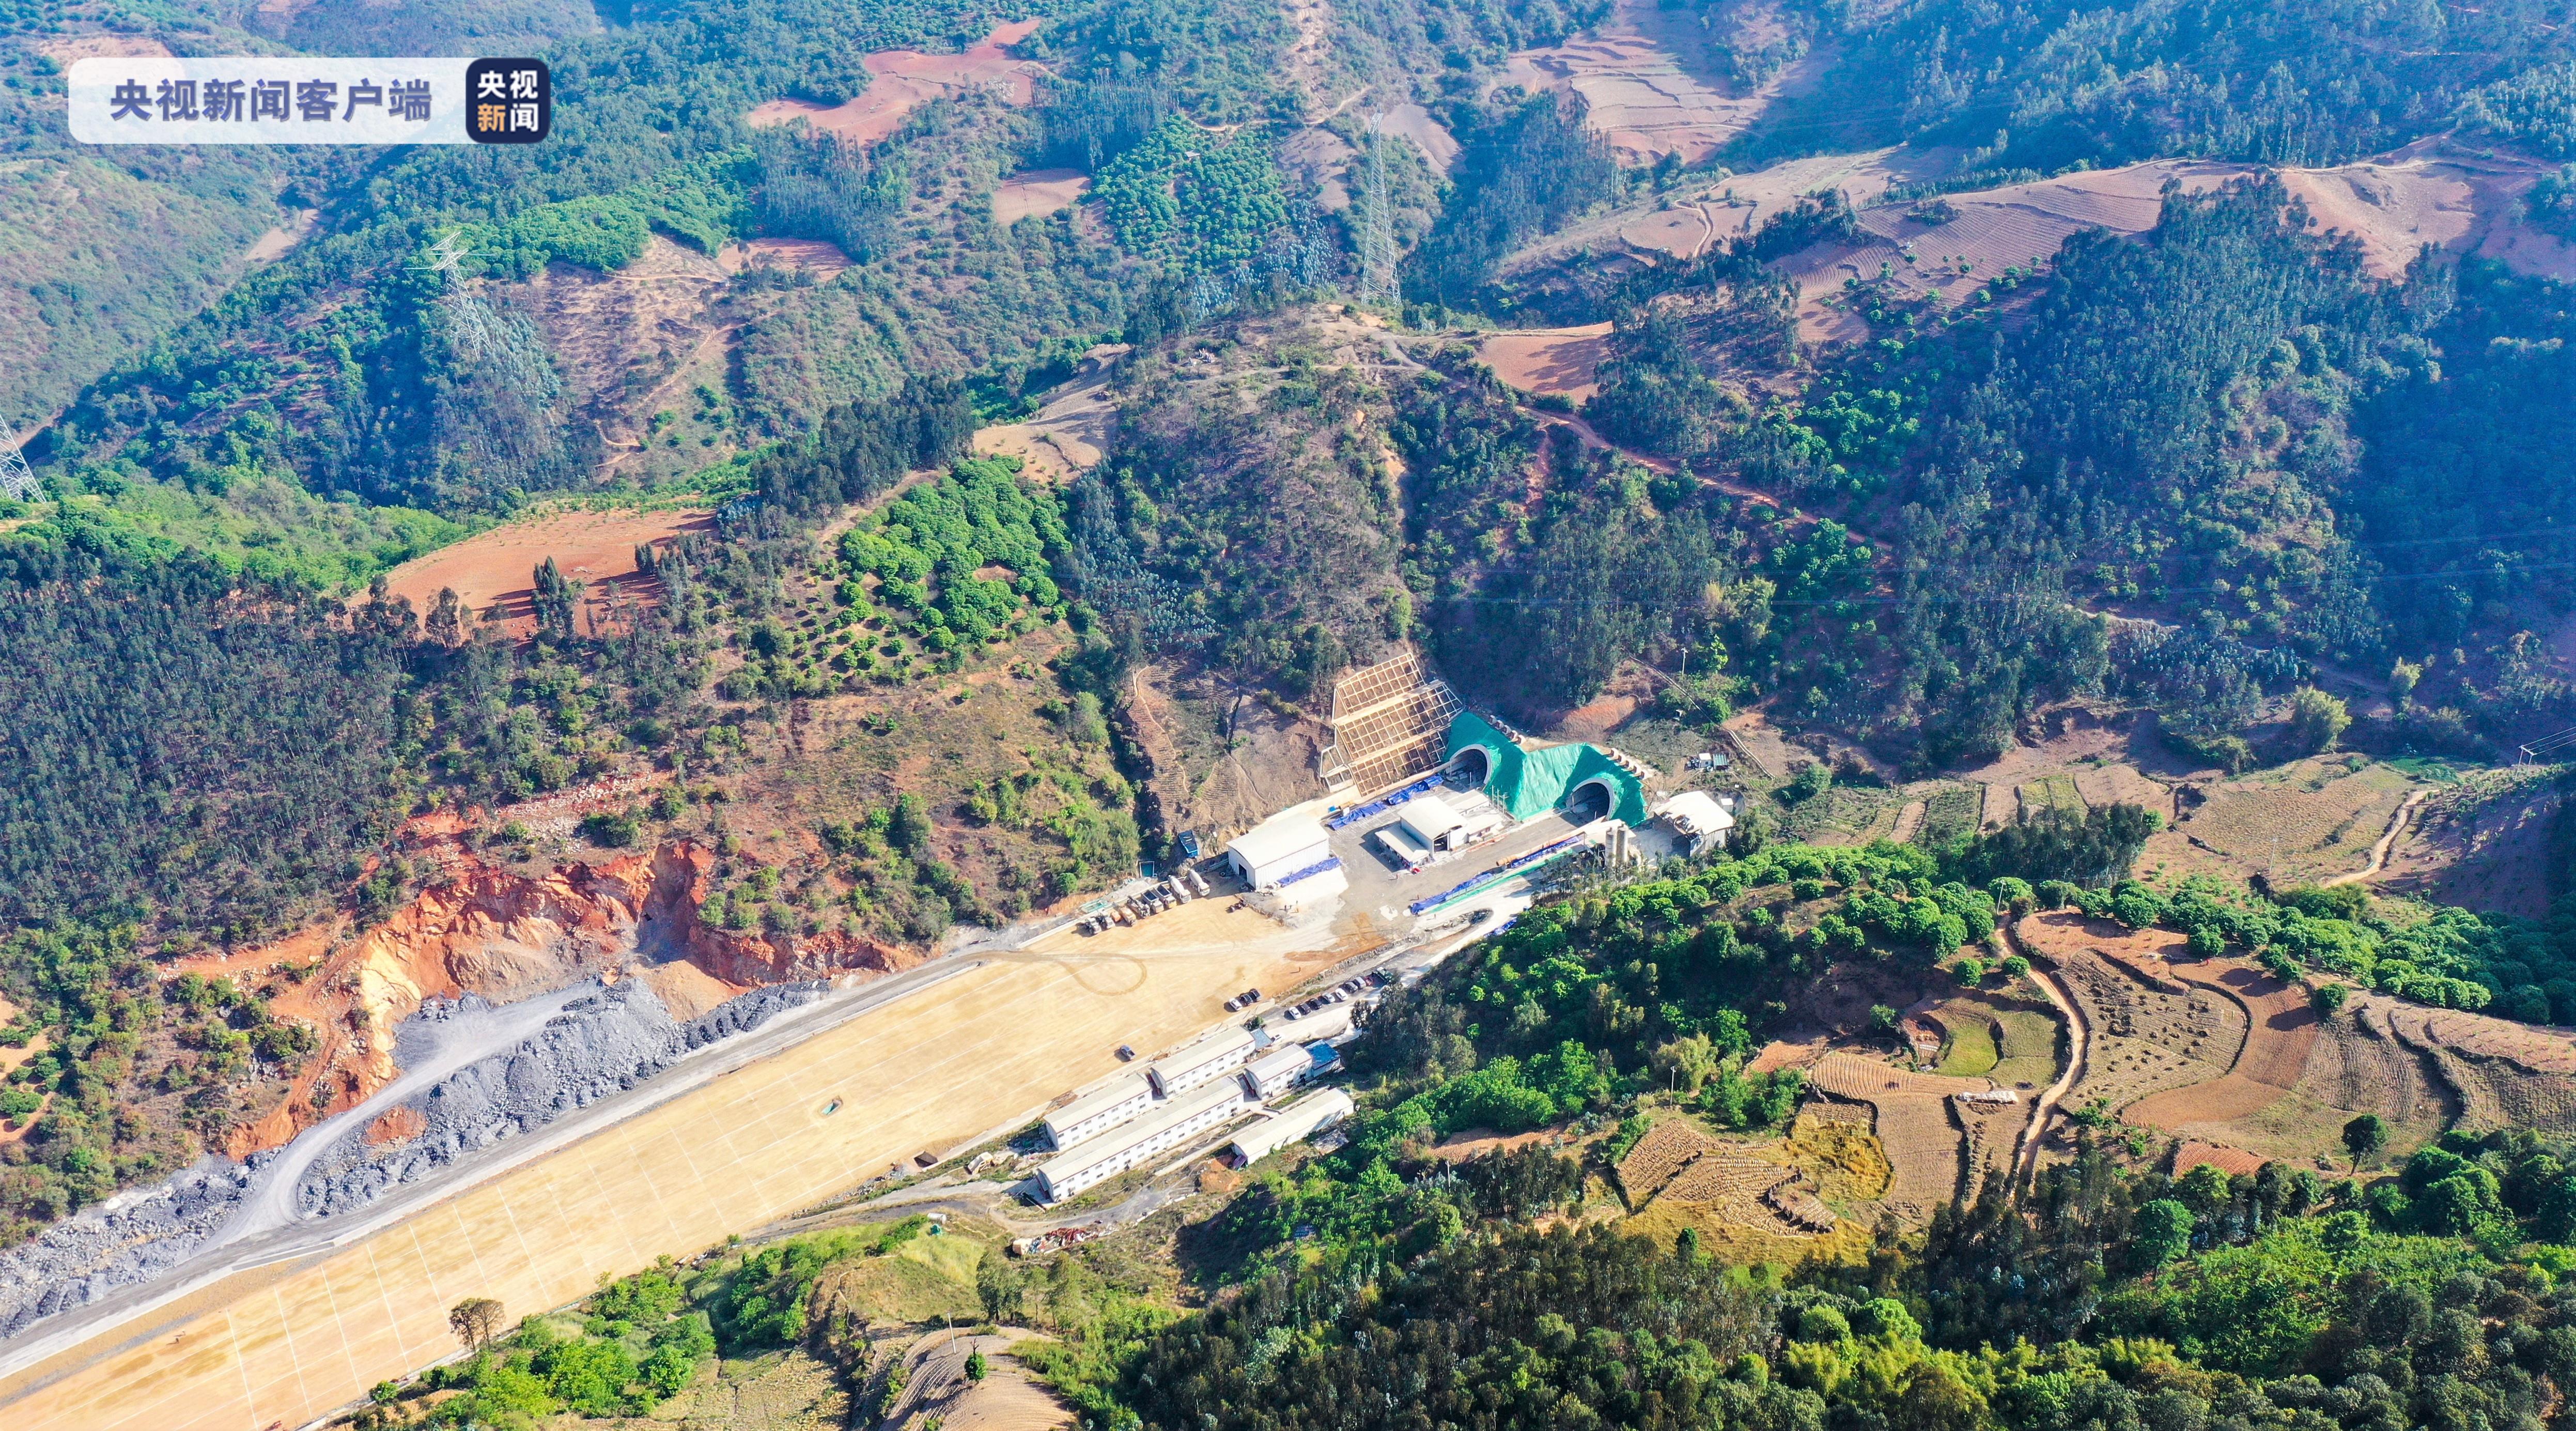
x: 1173, y: 1019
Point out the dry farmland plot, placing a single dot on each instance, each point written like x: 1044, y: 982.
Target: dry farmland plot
x: 1812, y: 1194
x: 1558, y: 361
x: 1950, y: 813
x: 2125, y: 1067
x: 1647, y: 86
x: 1667, y: 1148
x: 2232, y: 1161
x: 1037, y: 192
x: 288, y: 1342
x: 495, y: 571
x: 1923, y: 1145
x: 1844, y: 815
x: 2355, y: 1066
x: 2305, y: 822
x: 2278, y: 1029
x: 900, y: 81
x: 2119, y: 783
x: 1992, y: 1131
x: 2055, y: 792
x: 2480, y: 842
x: 2504, y: 1074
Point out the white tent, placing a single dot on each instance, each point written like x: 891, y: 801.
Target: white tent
x: 1277, y: 847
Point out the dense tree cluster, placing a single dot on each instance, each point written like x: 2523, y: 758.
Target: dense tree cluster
x: 1527, y: 168
x: 2046, y: 84
x: 181, y: 744
x: 1195, y: 201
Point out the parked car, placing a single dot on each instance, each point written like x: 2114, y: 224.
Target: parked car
x: 1125, y: 1053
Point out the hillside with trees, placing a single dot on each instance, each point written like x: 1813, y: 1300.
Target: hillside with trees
x: 1038, y: 459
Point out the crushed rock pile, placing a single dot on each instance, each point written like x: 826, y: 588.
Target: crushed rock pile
x: 121, y: 1242
x: 598, y: 1045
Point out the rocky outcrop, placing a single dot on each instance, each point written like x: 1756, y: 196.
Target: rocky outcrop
x: 126, y: 1240
x: 499, y: 935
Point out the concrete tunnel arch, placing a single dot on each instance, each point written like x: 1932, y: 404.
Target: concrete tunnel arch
x: 1472, y: 766
x: 1594, y: 794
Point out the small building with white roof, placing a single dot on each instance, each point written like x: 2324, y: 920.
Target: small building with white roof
x: 1278, y: 847
x: 1276, y: 1071
x: 1432, y: 821
x: 1697, y: 819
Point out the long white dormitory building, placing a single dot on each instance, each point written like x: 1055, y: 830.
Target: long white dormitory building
x: 1131, y: 1144
x: 1098, y: 1111
x: 1295, y: 1124
x: 1214, y: 1056
x: 1121, y: 1125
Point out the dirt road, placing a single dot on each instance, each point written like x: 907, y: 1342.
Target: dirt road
x: 2387, y: 841
x: 307, y: 1329
x: 2079, y: 1053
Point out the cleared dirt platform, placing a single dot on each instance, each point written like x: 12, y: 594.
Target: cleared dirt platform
x: 901, y: 81
x: 1557, y: 361
x: 1039, y: 191
x: 497, y: 569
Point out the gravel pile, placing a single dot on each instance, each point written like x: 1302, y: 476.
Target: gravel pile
x: 598, y: 1045
x: 121, y: 1242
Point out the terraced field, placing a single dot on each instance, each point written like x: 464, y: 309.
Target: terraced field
x: 2026, y: 1049
x: 1928, y: 1148
x: 2305, y: 822
x: 2200, y: 1008
x: 2238, y: 1064
x: 1814, y: 1193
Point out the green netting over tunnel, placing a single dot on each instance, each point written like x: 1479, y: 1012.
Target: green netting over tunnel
x: 1527, y: 782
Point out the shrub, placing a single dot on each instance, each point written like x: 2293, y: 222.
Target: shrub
x: 1823, y: 1324
x: 2317, y: 720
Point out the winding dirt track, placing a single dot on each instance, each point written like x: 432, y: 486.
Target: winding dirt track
x: 2079, y: 1057
x: 2387, y: 841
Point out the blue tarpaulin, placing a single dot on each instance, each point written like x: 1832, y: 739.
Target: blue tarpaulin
x: 1384, y: 803
x: 1497, y: 872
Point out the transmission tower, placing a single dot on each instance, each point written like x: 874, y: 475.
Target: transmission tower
x: 444, y: 255
x: 1377, y: 222
x: 17, y: 479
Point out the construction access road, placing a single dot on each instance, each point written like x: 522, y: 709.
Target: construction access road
x: 285, y: 1326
